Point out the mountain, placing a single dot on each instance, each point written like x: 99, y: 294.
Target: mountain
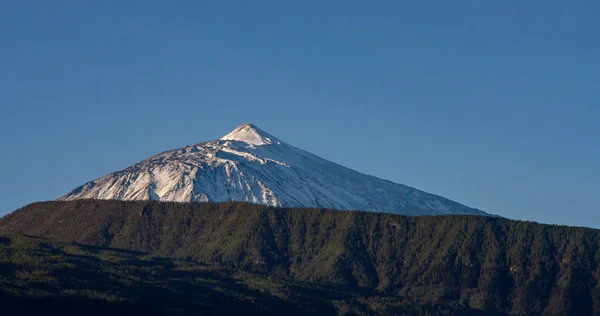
x: 368, y: 262
x: 253, y: 166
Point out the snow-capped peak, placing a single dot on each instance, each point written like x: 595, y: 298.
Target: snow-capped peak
x: 250, y: 134
x: 251, y: 165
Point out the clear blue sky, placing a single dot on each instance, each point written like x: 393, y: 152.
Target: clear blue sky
x: 495, y: 104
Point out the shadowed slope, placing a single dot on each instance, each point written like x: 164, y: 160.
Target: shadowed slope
x: 491, y: 264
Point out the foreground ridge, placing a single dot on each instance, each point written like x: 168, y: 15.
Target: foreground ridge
x: 490, y: 264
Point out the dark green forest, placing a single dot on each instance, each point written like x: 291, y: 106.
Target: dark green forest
x: 218, y: 258
x: 41, y: 277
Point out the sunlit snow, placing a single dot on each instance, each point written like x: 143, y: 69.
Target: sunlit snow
x: 251, y: 165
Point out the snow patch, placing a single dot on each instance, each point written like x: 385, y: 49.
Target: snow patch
x: 250, y: 134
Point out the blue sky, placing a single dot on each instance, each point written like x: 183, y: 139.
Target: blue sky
x: 494, y: 104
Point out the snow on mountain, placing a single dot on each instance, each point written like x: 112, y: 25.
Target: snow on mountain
x: 251, y: 165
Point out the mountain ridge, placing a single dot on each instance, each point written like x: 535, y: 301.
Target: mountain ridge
x: 251, y: 165
x: 487, y: 263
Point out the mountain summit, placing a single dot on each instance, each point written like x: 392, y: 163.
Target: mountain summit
x: 251, y: 165
x: 250, y: 134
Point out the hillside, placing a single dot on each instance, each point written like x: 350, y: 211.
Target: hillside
x: 482, y: 263
x: 38, y: 276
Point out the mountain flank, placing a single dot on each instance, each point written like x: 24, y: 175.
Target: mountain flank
x: 479, y: 263
x: 251, y: 165
x: 43, y: 277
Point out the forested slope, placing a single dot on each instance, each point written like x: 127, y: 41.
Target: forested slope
x: 484, y: 263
